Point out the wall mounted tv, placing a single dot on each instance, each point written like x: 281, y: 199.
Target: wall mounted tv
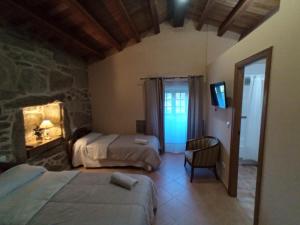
x: 218, y: 95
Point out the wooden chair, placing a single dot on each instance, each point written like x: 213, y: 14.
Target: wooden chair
x: 202, y: 153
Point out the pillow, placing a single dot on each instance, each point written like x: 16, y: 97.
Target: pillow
x: 17, y: 176
x: 89, y: 138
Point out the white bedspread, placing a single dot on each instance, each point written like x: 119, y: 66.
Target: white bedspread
x: 118, y: 150
x: 20, y: 205
x: 98, y: 149
x: 73, y: 198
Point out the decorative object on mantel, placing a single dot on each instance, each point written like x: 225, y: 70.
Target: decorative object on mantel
x: 38, y: 132
x: 46, y: 125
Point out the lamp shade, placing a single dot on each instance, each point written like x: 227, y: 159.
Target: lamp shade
x: 46, y: 124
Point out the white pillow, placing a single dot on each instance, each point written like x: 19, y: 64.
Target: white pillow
x: 81, y: 143
x: 17, y: 176
x: 89, y: 138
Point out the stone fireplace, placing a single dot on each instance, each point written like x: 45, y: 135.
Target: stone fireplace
x: 34, y: 74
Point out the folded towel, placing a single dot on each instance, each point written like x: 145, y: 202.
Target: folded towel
x: 123, y: 180
x: 141, y: 141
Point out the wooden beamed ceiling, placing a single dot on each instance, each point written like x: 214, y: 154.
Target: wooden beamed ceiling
x: 154, y: 16
x: 96, y: 29
x: 240, y: 7
x: 121, y: 16
x: 205, y: 13
x: 93, y: 28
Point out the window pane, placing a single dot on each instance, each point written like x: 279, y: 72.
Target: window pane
x: 168, y: 110
x: 182, y: 95
x: 168, y: 102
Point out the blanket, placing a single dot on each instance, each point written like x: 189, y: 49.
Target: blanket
x: 73, y: 198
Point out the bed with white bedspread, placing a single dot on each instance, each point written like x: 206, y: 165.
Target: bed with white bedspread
x: 94, y: 150
x: 31, y: 195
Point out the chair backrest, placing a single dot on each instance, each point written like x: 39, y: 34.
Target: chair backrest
x: 209, y: 150
x: 202, y: 143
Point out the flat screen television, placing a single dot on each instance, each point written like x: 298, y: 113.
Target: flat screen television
x: 218, y: 95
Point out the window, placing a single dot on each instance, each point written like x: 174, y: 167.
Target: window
x: 180, y: 102
x: 168, y: 102
x: 175, y: 102
x: 175, y: 115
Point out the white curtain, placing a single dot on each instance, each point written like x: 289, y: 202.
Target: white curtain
x: 253, y: 111
x: 175, y: 115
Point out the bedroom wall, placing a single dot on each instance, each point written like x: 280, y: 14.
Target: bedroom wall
x: 115, y: 85
x: 33, y: 72
x: 280, y: 194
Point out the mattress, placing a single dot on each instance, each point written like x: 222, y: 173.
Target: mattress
x: 84, y: 198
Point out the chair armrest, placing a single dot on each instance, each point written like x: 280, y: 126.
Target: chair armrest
x: 194, y: 151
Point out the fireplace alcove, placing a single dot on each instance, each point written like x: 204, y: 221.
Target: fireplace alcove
x: 75, y: 112
x: 44, y: 135
x: 43, y: 124
x: 50, y: 153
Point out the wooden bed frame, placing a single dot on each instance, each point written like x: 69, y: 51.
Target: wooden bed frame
x: 78, y: 133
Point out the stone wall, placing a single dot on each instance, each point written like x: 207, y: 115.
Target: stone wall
x: 32, y: 73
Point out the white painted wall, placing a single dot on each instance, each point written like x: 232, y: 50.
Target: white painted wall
x: 280, y: 195
x: 116, y: 89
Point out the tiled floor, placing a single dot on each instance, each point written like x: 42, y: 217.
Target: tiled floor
x: 204, y: 202
x: 246, y: 188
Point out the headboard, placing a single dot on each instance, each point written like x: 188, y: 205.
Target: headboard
x: 77, y: 134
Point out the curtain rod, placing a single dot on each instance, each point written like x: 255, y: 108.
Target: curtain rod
x: 182, y: 77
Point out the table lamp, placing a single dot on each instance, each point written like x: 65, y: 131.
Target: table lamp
x: 46, y: 124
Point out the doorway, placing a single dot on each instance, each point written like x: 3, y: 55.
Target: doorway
x: 175, y: 115
x: 251, y: 87
x: 252, y: 99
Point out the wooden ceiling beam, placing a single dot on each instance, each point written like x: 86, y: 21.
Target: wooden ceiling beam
x: 240, y: 7
x: 250, y: 29
x: 209, y: 4
x: 154, y: 16
x: 130, y: 22
x: 119, y: 12
x: 113, y: 43
x: 50, y: 27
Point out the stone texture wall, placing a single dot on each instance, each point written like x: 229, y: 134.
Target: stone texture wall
x: 32, y: 73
